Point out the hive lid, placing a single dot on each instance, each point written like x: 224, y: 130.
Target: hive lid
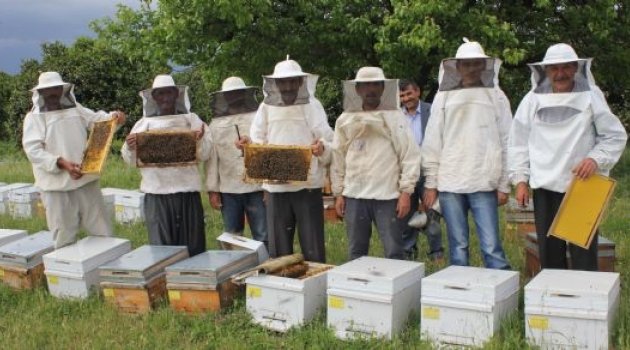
x: 8, y: 236
x: 86, y: 254
x: 27, y: 252
x: 142, y: 263
x: 211, y: 267
x: 375, y: 275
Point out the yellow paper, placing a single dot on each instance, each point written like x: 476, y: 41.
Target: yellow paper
x: 336, y: 302
x: 1, y: 273
x: 119, y: 208
x: 582, y: 209
x: 174, y: 295
x: 108, y: 293
x: 254, y: 292
x: 538, y: 322
x: 53, y: 280
x: 431, y: 313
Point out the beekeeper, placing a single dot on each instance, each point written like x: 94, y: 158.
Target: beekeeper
x: 172, y: 201
x: 233, y: 109
x: 54, y: 139
x: 465, y: 152
x: 376, y: 163
x: 291, y: 115
x: 562, y: 129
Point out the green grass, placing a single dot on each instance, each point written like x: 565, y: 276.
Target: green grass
x: 35, y: 319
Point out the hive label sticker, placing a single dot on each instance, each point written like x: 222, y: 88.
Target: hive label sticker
x: 1, y: 273
x: 336, y: 302
x: 174, y: 295
x: 538, y: 322
x: 254, y: 292
x: 119, y: 208
x: 431, y: 313
x: 108, y: 293
x: 53, y: 280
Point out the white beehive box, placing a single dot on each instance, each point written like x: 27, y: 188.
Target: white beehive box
x: 279, y: 303
x: 110, y: 204
x: 373, y: 297
x: 4, y: 195
x: 27, y: 252
x: 568, y: 309
x: 25, y: 203
x: 128, y: 204
x: 463, y: 305
x: 229, y: 241
x: 8, y: 236
x: 72, y: 271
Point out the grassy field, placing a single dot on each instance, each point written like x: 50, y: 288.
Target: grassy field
x: 35, y: 320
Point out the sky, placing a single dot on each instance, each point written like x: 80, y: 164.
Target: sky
x: 26, y: 24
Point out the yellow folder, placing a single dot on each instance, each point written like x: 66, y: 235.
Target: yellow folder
x: 582, y: 209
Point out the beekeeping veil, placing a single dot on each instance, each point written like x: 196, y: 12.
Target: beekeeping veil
x: 234, y: 98
x: 470, y: 62
x: 389, y: 99
x: 150, y: 107
x: 48, y: 80
x: 559, y: 54
x: 558, y: 107
x: 283, y: 71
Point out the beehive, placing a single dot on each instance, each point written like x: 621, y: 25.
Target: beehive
x: 98, y: 144
x: 166, y: 148
x: 277, y: 163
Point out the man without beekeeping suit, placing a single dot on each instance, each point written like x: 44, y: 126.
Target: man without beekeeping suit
x: 233, y: 109
x: 563, y: 128
x: 465, y: 153
x: 172, y: 201
x: 55, y: 137
x: 291, y: 115
x: 376, y: 163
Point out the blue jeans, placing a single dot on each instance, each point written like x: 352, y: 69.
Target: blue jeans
x: 432, y: 230
x: 483, y: 206
x: 237, y: 205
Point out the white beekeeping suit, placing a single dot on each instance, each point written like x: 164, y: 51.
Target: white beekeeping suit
x: 375, y: 155
x: 169, y: 179
x: 233, y: 109
x: 465, y: 147
x: 301, y: 122
x: 553, y: 132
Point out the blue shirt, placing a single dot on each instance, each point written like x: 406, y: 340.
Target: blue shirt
x: 415, y: 122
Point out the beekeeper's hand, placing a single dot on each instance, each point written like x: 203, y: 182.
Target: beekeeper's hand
x: 404, y: 205
x: 199, y: 133
x: 429, y: 198
x: 502, y: 198
x: 317, y: 148
x: 585, y: 168
x: 215, y: 200
x: 242, y: 142
x: 131, y: 141
x: 120, y: 117
x: 73, y: 169
x: 522, y: 194
x: 340, y: 206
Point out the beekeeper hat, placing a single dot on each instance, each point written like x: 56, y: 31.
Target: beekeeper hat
x: 287, y: 69
x: 49, y: 79
x: 559, y: 53
x: 470, y: 49
x: 368, y: 74
x: 233, y: 83
x: 162, y: 81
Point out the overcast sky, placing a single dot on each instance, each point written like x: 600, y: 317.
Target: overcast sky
x: 26, y: 24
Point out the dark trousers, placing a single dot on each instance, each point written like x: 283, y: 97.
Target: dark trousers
x: 359, y: 216
x: 552, y: 251
x: 176, y: 219
x: 303, y: 210
x: 433, y: 230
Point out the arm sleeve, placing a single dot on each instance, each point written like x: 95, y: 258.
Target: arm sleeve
x: 258, y: 130
x: 92, y: 117
x: 518, y: 141
x: 128, y: 155
x: 34, y: 140
x: 504, y: 122
x: 212, y: 171
x: 611, y: 137
x: 321, y: 130
x: 432, y: 143
x: 205, y: 143
x: 408, y: 153
x: 338, y: 164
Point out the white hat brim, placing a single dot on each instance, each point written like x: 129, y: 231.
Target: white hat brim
x: 45, y: 86
x: 558, y: 61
